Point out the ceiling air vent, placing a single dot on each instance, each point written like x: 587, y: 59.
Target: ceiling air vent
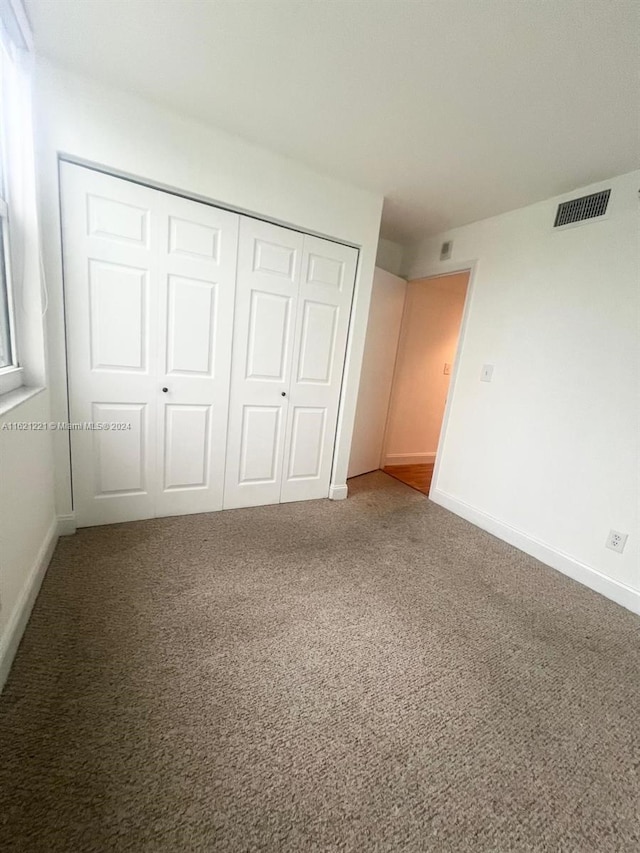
x: 585, y: 207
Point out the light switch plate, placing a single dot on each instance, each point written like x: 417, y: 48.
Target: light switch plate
x: 486, y: 374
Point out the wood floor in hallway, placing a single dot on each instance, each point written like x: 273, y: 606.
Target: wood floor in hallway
x: 417, y: 476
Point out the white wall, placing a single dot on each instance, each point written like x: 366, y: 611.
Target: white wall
x: 546, y: 455
x: 105, y: 126
x: 428, y: 341
x: 383, y: 331
x: 390, y: 256
x: 27, y: 520
x: 28, y: 530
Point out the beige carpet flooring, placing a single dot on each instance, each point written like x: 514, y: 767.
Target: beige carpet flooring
x: 370, y: 675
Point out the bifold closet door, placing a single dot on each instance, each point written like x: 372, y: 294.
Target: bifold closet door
x: 323, y: 310
x: 268, y: 280
x: 292, y: 316
x: 149, y: 291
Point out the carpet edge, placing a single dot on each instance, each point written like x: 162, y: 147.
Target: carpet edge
x: 19, y: 619
x: 584, y: 574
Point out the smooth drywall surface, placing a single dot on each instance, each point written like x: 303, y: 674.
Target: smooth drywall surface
x: 428, y: 342
x: 125, y: 134
x: 383, y: 331
x: 549, y: 448
x: 27, y: 517
x: 390, y: 256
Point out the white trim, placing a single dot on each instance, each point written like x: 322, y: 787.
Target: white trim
x: 408, y: 459
x: 14, y: 629
x: 584, y: 574
x: 16, y: 25
x: 16, y: 398
x: 11, y: 378
x: 444, y: 268
x: 338, y: 493
x: 159, y: 186
x: 67, y: 524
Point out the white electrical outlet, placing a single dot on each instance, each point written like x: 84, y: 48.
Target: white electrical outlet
x: 616, y: 541
x: 486, y: 374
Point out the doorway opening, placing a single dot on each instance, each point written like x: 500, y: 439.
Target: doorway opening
x: 425, y: 363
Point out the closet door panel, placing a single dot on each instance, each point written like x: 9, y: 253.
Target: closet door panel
x: 111, y: 236
x: 196, y: 304
x: 269, y: 260
x: 322, y: 323
x: 149, y: 300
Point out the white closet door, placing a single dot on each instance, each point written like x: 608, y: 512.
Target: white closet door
x: 268, y: 279
x: 149, y: 284
x: 322, y: 323
x: 196, y: 302
x: 110, y: 241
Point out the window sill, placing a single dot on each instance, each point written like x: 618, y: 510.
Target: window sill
x: 12, y: 399
x: 10, y: 379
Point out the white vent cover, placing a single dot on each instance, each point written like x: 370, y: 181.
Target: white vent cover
x: 585, y: 207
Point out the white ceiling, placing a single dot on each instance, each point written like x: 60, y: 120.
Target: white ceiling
x: 455, y: 110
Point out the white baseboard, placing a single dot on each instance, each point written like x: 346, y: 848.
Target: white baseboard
x: 584, y: 574
x: 67, y: 524
x: 338, y: 493
x: 14, y: 630
x: 408, y: 459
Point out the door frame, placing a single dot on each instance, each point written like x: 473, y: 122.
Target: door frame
x: 451, y: 268
x: 335, y: 491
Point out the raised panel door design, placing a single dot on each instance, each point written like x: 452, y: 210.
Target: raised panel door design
x: 317, y: 342
x: 118, y: 316
x: 149, y: 301
x: 269, y: 326
x: 186, y: 444
x: 268, y: 280
x: 197, y: 290
x: 116, y: 220
x: 194, y: 238
x: 325, y: 270
x: 274, y: 259
x: 119, y: 446
x: 307, y: 438
x: 322, y: 322
x: 259, y: 445
x: 191, y: 322
x: 154, y: 308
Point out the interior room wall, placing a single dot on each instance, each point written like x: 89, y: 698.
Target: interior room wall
x: 381, y: 345
x: 546, y: 455
x: 28, y: 528
x: 390, y: 256
x: 428, y: 341
x: 134, y: 137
